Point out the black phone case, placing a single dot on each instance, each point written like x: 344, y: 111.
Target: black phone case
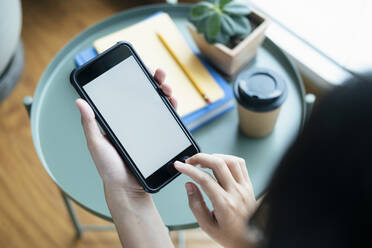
x: 125, y: 156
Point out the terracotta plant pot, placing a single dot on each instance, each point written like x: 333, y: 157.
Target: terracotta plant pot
x: 231, y: 60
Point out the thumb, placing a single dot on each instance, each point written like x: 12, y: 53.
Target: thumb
x: 198, y: 206
x: 90, y: 126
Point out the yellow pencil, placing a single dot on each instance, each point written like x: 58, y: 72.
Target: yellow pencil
x: 184, y: 69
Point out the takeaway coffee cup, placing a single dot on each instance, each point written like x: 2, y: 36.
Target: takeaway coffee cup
x: 260, y: 94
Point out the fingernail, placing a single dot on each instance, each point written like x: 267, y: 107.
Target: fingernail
x: 178, y: 164
x: 77, y: 102
x: 189, y: 189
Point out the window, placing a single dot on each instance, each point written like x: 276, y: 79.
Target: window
x: 336, y: 30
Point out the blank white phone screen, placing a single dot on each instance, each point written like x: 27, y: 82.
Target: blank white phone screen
x: 137, y: 115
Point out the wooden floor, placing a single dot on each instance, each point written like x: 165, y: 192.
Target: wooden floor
x: 32, y: 213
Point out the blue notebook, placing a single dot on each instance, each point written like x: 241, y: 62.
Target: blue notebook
x: 198, y: 118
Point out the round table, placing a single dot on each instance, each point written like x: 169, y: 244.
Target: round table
x: 60, y: 143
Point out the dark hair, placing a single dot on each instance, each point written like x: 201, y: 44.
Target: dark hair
x: 321, y: 193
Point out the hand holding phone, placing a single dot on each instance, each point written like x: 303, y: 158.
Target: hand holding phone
x: 135, y: 114
x: 110, y: 166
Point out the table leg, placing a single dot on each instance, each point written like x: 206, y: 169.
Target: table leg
x: 309, y: 101
x: 71, y: 212
x: 27, y: 102
x: 181, y: 239
x: 75, y: 220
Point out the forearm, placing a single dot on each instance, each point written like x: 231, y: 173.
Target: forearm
x: 137, y: 221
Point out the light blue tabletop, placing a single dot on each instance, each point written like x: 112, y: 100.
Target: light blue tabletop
x: 60, y: 143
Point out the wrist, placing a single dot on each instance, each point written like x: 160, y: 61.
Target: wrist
x: 136, y: 218
x: 126, y: 197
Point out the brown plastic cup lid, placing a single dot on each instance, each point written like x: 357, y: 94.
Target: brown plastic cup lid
x: 260, y: 89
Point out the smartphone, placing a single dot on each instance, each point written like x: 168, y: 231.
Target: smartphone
x: 135, y: 114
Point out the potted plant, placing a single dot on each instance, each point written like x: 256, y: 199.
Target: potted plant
x: 227, y: 32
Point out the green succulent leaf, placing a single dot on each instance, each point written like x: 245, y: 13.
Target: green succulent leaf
x: 222, y: 3
x: 227, y: 24
x: 201, y: 10
x: 220, y: 20
x: 242, y: 25
x: 210, y: 40
x: 222, y: 37
x: 237, y: 8
x: 201, y: 25
x: 213, y: 25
